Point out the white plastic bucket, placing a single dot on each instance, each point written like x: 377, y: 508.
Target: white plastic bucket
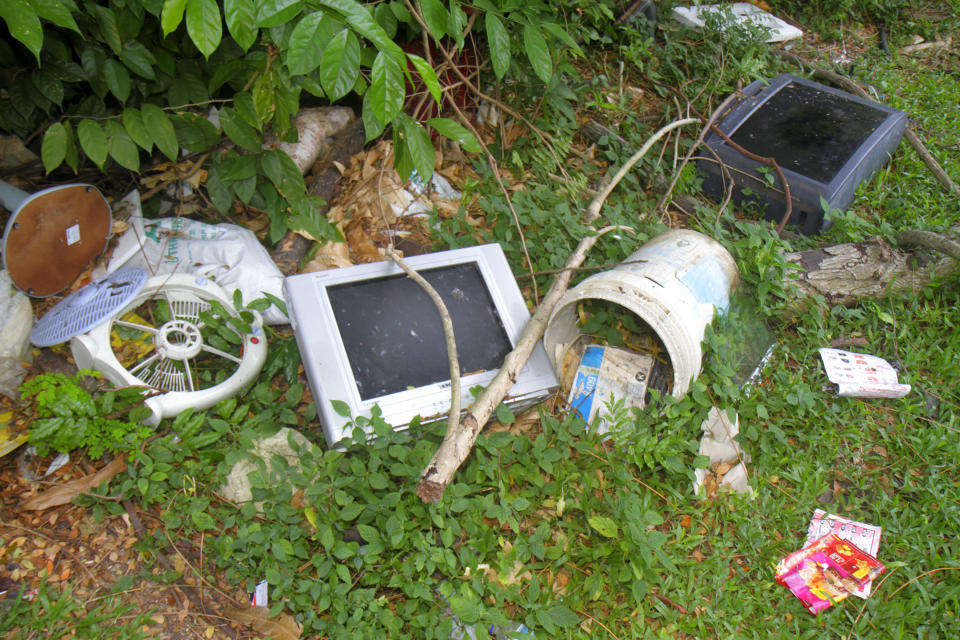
x: 675, y: 283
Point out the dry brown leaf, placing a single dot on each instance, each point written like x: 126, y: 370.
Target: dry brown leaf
x: 283, y: 627
x: 64, y: 493
x: 723, y: 467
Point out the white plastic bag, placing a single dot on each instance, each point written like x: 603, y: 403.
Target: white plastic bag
x: 16, y: 321
x: 228, y: 254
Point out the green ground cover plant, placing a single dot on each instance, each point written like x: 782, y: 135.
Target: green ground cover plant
x: 579, y: 537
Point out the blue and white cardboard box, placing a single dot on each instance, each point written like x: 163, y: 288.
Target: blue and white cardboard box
x: 607, y: 373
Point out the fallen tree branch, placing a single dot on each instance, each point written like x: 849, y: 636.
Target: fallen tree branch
x: 453, y: 420
x: 457, y: 444
x: 845, y: 273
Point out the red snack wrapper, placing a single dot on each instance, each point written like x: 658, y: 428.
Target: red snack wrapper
x: 827, y: 571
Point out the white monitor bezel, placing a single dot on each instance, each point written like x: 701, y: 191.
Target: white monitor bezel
x: 325, y: 357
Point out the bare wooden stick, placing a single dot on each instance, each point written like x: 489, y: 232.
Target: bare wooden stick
x: 453, y: 420
x: 457, y: 444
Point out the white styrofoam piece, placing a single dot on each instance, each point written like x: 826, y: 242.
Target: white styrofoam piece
x: 743, y: 12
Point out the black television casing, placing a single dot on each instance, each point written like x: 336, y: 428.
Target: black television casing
x: 823, y: 164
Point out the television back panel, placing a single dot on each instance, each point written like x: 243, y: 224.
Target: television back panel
x: 370, y: 336
x: 825, y: 141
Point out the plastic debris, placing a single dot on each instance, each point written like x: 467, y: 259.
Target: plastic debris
x: 258, y: 597
x: 862, y: 376
x: 827, y: 571
x: 16, y: 322
x: 720, y: 446
x: 739, y: 13
x: 865, y: 536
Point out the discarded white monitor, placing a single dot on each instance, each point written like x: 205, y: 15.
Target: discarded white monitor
x: 825, y: 140
x: 369, y: 335
x: 742, y: 13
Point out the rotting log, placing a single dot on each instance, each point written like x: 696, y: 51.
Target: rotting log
x: 845, y: 273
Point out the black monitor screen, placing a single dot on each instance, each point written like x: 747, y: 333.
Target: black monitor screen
x: 808, y: 131
x: 393, y: 335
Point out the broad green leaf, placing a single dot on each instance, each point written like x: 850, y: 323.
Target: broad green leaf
x: 537, y: 52
x: 139, y: 59
x: 56, y: 12
x: 49, y: 85
x: 316, y: 226
x: 341, y: 408
x: 194, y: 132
x: 226, y: 72
x: 457, y: 23
x: 306, y: 48
x: 204, y: 25
x: 23, y: 24
x: 372, y: 126
x: 133, y: 123
x: 435, y: 16
x: 456, y: 132
x: 73, y: 153
x: 402, y: 160
x: 107, y: 20
x: 562, y: 616
x: 429, y: 77
x: 93, y: 141
x: 387, y: 90
x: 164, y: 135
x: 358, y: 17
x: 466, y: 609
x: 282, y: 172
x: 264, y: 98
x: 340, y: 65
x: 506, y: 416
x: 238, y: 167
x: 121, y: 146
x: 386, y: 18
x: 241, y: 17
x: 351, y: 511
x: 117, y: 79
x: 276, y: 12
x: 53, y: 151
x: 243, y: 103
x: 172, y: 15
x: 203, y: 520
x: 241, y: 133
x: 558, y: 32
x: 498, y: 42
x: 244, y: 189
x: 419, y: 146
x: 220, y: 193
x: 604, y: 526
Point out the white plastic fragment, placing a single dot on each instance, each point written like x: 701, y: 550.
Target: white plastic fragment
x: 719, y: 445
x: 743, y: 13
x: 16, y: 322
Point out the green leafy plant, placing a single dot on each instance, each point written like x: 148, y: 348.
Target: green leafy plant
x: 68, y: 416
x: 113, y: 81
